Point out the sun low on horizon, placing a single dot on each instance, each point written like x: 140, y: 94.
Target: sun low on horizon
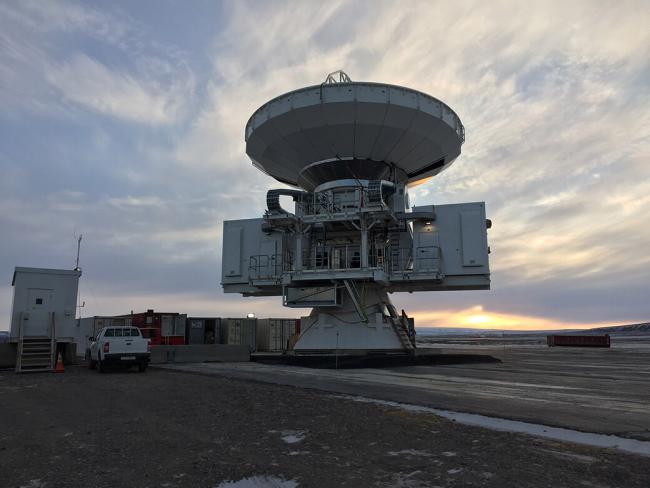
x: 477, y: 317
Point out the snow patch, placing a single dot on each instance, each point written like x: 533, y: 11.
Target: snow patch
x: 292, y: 436
x: 556, y: 433
x: 35, y: 484
x: 259, y: 482
x: 410, y: 452
x: 569, y: 455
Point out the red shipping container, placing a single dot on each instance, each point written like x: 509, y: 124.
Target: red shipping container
x: 578, y: 340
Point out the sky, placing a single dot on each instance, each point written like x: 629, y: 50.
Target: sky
x: 124, y: 122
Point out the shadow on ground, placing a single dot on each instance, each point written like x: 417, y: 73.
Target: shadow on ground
x: 352, y: 362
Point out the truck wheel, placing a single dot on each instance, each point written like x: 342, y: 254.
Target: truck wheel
x: 142, y: 366
x: 91, y: 364
x: 102, y: 367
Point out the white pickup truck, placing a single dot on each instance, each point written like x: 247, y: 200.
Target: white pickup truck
x: 118, y: 345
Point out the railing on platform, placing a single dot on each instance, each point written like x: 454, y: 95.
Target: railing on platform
x: 347, y: 258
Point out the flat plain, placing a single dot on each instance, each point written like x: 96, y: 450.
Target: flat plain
x: 266, y: 425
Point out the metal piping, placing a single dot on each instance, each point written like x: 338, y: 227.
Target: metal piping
x: 273, y: 199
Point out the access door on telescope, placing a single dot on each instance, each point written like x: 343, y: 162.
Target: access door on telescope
x: 426, y: 247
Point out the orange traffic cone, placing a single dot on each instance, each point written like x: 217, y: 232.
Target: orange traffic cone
x: 59, y: 365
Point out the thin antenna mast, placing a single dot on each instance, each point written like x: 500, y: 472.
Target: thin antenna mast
x: 78, y: 251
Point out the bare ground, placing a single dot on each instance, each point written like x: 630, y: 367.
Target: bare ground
x: 170, y: 429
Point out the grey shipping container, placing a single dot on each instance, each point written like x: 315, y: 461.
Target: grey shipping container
x: 240, y: 332
x: 274, y: 334
x: 203, y: 330
x: 86, y: 328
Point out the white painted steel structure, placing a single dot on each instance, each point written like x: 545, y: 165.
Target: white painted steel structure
x: 44, y: 303
x: 353, y: 148
x: 43, y: 316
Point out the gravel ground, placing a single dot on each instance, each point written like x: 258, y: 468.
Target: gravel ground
x: 170, y: 429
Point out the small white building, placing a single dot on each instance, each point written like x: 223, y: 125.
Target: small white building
x: 43, y: 316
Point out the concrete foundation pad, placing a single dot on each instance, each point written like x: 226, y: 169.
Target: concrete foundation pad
x: 197, y: 353
x: 423, y: 356
x: 600, y: 391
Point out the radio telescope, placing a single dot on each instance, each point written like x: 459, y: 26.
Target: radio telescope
x: 350, y: 150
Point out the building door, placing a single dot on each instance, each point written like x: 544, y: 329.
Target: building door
x: 166, y: 326
x: 39, y: 307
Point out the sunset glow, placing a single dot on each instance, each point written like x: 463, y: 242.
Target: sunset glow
x: 477, y: 317
x: 141, y: 145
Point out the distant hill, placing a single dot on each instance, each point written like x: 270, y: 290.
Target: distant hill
x: 465, y: 331
x: 643, y: 328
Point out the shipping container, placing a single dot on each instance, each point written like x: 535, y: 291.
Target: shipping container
x: 160, y: 328
x: 578, y: 340
x: 122, y: 321
x: 87, y: 328
x: 275, y: 335
x: 203, y: 330
x: 239, y: 331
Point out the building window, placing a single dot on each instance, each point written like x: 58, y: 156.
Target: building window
x: 39, y: 301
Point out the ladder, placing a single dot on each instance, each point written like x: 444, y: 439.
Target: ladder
x: 394, y: 242
x: 35, y: 353
x: 401, y: 327
x: 402, y: 334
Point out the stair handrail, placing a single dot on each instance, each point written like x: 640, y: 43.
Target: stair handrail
x: 19, y: 348
x: 407, y: 326
x: 53, y: 342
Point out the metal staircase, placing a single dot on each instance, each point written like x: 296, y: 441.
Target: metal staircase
x: 401, y: 327
x: 401, y: 332
x: 35, y: 353
x: 394, y: 241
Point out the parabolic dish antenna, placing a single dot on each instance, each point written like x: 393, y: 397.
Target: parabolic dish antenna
x: 348, y: 129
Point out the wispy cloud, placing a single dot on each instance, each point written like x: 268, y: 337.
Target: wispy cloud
x: 133, y: 142
x: 148, y: 82
x: 91, y: 84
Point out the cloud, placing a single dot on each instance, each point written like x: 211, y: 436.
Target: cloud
x: 146, y: 81
x: 144, y: 152
x: 130, y: 201
x: 91, y: 84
